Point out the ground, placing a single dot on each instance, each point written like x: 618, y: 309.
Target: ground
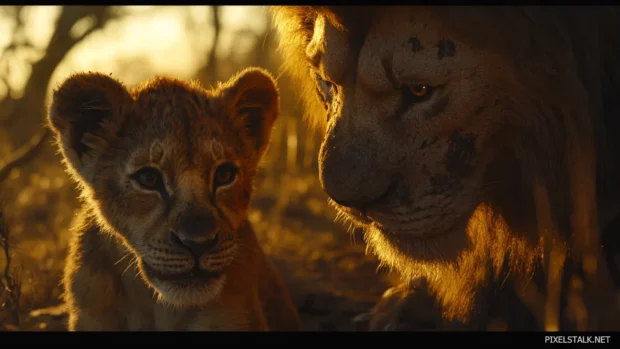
x: 330, y: 277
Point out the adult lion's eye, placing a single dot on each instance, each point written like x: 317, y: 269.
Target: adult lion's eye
x: 419, y: 92
x: 224, y: 175
x: 148, y: 178
x: 325, y: 89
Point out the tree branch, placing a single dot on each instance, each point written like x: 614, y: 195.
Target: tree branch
x: 30, y: 107
x: 24, y: 154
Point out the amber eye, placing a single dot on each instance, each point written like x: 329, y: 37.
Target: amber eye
x: 224, y: 174
x: 148, y: 177
x: 419, y: 91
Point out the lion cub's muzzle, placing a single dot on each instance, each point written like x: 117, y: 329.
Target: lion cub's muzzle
x: 200, y: 244
x: 197, y: 232
x: 196, y: 244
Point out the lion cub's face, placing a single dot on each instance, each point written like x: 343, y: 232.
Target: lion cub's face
x: 168, y: 168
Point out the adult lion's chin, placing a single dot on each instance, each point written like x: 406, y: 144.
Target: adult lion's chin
x: 193, y: 289
x: 428, y: 242
x: 403, y: 250
x: 434, y: 239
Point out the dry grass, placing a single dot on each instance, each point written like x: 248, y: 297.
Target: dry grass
x: 10, y: 284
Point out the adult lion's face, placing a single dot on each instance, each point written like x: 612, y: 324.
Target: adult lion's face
x: 449, y: 131
x: 409, y: 115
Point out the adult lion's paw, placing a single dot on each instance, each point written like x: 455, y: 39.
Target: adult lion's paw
x: 407, y: 307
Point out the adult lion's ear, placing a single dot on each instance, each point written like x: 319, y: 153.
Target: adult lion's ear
x: 85, y: 112
x: 253, y: 99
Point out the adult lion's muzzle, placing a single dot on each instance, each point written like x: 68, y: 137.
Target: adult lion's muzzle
x: 350, y: 171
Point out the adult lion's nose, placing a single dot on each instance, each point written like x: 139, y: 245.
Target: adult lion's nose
x: 349, y: 172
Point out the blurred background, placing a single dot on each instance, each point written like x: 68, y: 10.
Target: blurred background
x: 323, y: 263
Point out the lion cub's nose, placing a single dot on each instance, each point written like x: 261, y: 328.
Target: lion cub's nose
x: 196, y: 230
x: 197, y: 244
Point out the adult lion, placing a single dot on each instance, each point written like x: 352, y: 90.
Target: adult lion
x: 477, y: 147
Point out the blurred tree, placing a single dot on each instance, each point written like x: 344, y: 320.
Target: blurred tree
x: 22, y: 112
x: 210, y: 72
x: 212, y: 62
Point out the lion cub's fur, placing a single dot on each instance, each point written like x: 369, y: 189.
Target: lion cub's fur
x: 120, y: 245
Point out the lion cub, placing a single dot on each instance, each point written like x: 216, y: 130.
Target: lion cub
x: 165, y: 172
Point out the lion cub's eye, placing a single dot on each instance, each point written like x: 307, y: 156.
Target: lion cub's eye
x: 224, y: 174
x: 148, y: 178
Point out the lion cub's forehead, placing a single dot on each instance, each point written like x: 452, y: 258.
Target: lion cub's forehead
x: 162, y: 150
x: 180, y: 109
x: 166, y: 99
x: 182, y: 124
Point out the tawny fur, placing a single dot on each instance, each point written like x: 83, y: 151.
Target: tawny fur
x: 511, y: 159
x: 120, y: 247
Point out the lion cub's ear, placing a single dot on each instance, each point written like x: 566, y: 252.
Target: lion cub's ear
x: 85, y: 112
x: 254, y: 101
